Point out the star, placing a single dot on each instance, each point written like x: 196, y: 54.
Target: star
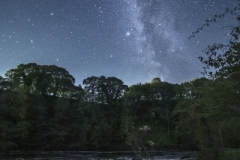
x: 127, y: 34
x: 132, y: 39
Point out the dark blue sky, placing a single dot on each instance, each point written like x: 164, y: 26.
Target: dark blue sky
x: 133, y: 40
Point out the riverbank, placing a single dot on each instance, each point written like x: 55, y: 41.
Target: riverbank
x: 74, y: 155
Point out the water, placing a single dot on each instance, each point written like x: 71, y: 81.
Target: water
x: 85, y: 155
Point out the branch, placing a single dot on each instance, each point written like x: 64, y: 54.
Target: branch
x: 208, y: 21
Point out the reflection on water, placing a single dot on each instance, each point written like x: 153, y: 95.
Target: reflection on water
x: 85, y: 155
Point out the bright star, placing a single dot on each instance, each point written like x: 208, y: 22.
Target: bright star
x: 127, y: 34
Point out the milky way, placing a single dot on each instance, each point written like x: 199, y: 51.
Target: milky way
x: 133, y: 40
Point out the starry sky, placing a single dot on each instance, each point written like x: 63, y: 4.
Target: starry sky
x: 133, y: 40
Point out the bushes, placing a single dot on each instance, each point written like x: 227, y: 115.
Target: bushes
x: 231, y: 154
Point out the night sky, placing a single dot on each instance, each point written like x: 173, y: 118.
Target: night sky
x: 133, y: 40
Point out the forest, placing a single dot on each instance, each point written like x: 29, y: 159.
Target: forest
x: 42, y: 109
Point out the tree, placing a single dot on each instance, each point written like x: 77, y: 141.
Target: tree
x: 96, y: 129
x: 233, y: 11
x: 156, y: 80
x: 43, y: 79
x: 104, y: 90
x: 5, y: 84
x: 115, y: 89
x: 188, y: 110
x: 220, y: 101
x: 225, y: 60
x: 14, y: 127
x: 91, y: 88
x: 61, y: 82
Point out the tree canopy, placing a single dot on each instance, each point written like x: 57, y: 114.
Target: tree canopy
x: 44, y: 79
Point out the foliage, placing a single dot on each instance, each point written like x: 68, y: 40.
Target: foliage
x: 233, y: 154
x: 103, y: 90
x: 218, y: 107
x: 43, y: 79
x: 41, y: 107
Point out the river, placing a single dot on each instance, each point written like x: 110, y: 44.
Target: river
x: 87, y: 155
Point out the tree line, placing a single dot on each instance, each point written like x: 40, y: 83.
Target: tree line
x: 42, y: 109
